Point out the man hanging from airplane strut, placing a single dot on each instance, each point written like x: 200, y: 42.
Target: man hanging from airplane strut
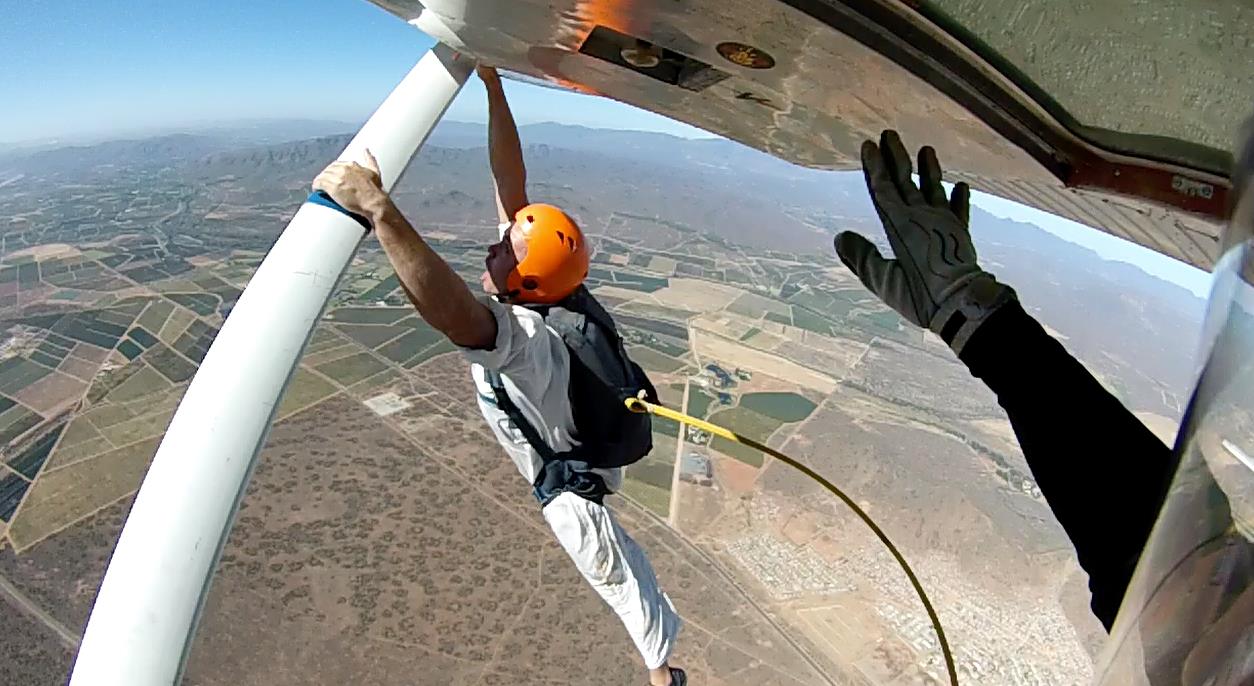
x: 549, y: 368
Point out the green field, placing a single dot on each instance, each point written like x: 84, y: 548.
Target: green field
x: 671, y: 395
x: 370, y: 387
x: 743, y: 453
x: 203, y: 304
x: 144, y: 381
x: 750, y: 333
x: 45, y: 359
x: 805, y: 319
x: 28, y: 273
x: 121, y: 317
x: 53, y: 349
x: 170, y: 364
x: 652, y: 498
x: 210, y: 283
x: 91, y: 327
x: 652, y: 471
x: 62, y: 497
x: 649, y: 310
x: 885, y: 319
x: 667, y: 346
x: 600, y: 273
x: 786, y: 407
x: 175, y: 325
x: 154, y: 317
x: 657, y: 326
x: 403, y: 349
x: 382, y: 289
x: 79, y: 431
x: 663, y: 446
x: 699, y: 402
x: 753, y: 305
x: 369, y: 315
x: 647, y: 284
x: 139, y: 428
x: 685, y: 257
x: 372, y: 335
x: 324, y: 338
x: 442, y: 346
x: 349, y: 370
x: 142, y: 337
x: 195, y: 342
x: 66, y: 454
x: 131, y: 307
x: 747, y: 423
x: 305, y: 389
x: 107, y: 414
x: 653, y: 360
x: 668, y: 427
x: 17, y: 373
x: 16, y: 421
x: 32, y: 457
x: 779, y: 318
x: 815, y: 300
x: 130, y: 349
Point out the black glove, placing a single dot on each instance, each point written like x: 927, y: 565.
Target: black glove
x: 934, y: 280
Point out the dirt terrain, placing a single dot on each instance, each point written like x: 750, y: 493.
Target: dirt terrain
x: 365, y: 557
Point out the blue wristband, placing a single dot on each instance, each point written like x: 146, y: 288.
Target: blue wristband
x: 322, y: 198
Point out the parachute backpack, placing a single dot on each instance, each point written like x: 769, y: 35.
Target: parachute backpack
x: 602, y: 377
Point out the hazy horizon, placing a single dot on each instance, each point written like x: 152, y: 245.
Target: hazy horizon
x: 1108, y: 246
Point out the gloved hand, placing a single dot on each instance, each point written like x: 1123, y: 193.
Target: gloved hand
x: 934, y: 280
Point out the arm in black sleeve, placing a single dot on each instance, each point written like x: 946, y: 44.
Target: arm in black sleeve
x: 1102, y: 472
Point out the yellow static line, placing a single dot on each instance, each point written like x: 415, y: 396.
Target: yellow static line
x: 644, y: 406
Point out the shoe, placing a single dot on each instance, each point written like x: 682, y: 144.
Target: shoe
x: 678, y: 677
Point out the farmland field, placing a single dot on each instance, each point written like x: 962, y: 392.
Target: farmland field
x: 353, y: 368
x: 372, y: 335
x: 652, y: 472
x: 202, y: 304
x: 786, y: 407
x: 653, y: 360
x: 443, y: 345
x: 655, y: 499
x: 699, y: 402
x: 747, y: 423
x: 63, y: 496
x: 369, y: 315
x: 303, y: 390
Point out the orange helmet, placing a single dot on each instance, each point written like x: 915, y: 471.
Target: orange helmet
x: 557, y: 256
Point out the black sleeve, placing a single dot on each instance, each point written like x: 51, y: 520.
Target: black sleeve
x: 1102, y: 472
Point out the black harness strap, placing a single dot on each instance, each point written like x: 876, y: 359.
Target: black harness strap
x: 557, y: 475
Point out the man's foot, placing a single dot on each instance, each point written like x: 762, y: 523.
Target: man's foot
x: 677, y: 677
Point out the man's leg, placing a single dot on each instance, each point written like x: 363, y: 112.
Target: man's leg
x: 619, y: 571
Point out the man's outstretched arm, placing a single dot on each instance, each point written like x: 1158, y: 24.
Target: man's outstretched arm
x: 438, y: 293
x: 1101, y: 471
x: 509, y: 174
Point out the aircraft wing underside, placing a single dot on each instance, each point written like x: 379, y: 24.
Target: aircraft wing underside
x: 808, y: 80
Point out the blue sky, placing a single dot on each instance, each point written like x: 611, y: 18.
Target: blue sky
x: 119, y: 67
x: 99, y: 68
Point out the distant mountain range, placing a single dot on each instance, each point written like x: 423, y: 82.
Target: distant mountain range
x: 236, y: 134
x: 1106, y: 309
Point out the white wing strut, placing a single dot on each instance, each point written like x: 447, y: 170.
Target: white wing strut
x: 141, y: 627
